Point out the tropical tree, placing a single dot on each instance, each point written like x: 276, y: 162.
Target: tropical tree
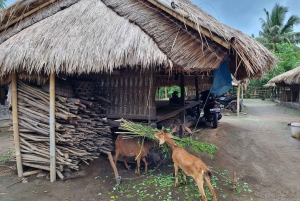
x: 288, y: 58
x: 275, y: 31
x: 2, y: 4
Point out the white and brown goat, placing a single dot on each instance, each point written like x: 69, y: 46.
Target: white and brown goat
x: 133, y: 147
x: 190, y: 165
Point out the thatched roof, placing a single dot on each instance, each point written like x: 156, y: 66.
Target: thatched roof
x: 83, y: 36
x: 269, y: 85
x: 290, y: 77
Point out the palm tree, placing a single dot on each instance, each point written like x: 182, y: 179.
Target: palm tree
x: 2, y: 4
x: 274, y: 30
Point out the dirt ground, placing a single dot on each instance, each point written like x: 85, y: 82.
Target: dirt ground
x: 257, y: 145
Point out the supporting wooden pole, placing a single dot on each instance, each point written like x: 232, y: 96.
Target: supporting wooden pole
x: 182, y: 90
x: 182, y: 98
x: 243, y: 92
x: 291, y: 90
x: 197, y: 93
x: 166, y: 92
x: 238, y: 100
x: 52, y: 128
x: 16, y: 123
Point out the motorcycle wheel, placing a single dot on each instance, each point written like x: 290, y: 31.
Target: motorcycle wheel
x: 232, y: 107
x: 215, y: 121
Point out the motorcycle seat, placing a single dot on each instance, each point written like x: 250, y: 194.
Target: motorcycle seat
x: 229, y: 99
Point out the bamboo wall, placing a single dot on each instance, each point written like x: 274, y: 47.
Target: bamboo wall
x: 131, y: 93
x: 189, y: 81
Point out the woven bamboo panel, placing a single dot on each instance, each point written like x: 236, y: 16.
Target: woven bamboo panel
x: 83, y: 88
x: 62, y: 88
x: 131, y: 93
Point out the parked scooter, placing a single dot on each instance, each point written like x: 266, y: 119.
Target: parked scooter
x: 229, y: 103
x: 212, y: 112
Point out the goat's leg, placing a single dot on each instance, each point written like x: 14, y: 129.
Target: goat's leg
x: 138, y: 160
x: 199, y: 181
x: 184, y: 176
x: 212, y: 190
x: 176, y: 173
x: 146, y: 164
x: 116, y: 157
x: 125, y: 162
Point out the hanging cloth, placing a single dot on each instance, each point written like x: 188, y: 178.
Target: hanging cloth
x: 222, y: 80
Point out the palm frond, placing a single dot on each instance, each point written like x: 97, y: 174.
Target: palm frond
x: 146, y: 131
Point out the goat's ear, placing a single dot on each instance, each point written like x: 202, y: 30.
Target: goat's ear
x: 161, y: 140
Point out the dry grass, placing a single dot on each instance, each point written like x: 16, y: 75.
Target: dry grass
x: 84, y: 36
x: 290, y: 77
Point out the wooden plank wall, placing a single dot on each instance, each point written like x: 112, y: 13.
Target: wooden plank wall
x: 129, y: 92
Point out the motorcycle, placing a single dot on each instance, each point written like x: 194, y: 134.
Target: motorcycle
x: 212, y: 112
x: 229, y: 103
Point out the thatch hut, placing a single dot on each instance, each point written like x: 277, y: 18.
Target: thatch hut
x: 288, y: 87
x: 118, y: 50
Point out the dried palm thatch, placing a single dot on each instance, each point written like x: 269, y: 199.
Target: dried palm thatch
x: 269, y: 85
x: 83, y: 36
x: 78, y: 40
x: 290, y: 77
x: 251, y: 59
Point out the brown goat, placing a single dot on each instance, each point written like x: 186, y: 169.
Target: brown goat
x: 190, y: 165
x: 132, y: 147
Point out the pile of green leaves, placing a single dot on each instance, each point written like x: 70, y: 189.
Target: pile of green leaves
x: 138, y: 130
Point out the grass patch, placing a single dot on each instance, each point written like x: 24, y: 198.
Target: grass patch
x: 6, y: 155
x: 5, y: 134
x: 161, y: 187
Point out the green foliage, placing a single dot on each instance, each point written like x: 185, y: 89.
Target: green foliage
x: 277, y: 35
x: 2, y: 4
x: 247, y: 95
x: 146, y: 131
x: 160, y: 93
x: 161, y: 187
x: 275, y: 30
x: 288, y: 58
x: 6, y: 156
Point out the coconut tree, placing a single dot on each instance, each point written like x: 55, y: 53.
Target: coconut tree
x: 274, y: 30
x: 2, y: 4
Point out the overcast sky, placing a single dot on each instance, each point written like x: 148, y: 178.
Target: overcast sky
x: 241, y: 14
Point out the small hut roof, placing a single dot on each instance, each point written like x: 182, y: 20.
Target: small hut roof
x: 83, y: 36
x: 290, y: 77
x: 269, y: 85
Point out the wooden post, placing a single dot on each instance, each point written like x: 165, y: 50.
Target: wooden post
x: 243, y: 92
x: 182, y: 90
x: 197, y: 93
x: 182, y: 98
x: 291, y: 90
x: 166, y: 92
x: 16, y: 123
x: 238, y: 100
x: 52, y: 128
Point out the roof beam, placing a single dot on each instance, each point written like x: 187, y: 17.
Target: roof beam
x: 192, y: 24
x: 26, y: 15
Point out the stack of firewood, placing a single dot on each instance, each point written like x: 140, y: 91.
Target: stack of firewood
x: 81, y: 130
